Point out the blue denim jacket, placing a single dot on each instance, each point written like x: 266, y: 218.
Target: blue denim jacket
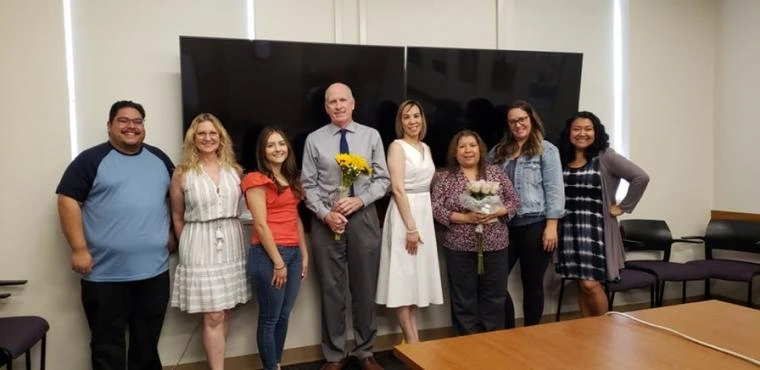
x: 538, y: 182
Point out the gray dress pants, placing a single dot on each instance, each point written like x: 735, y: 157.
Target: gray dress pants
x: 351, y: 262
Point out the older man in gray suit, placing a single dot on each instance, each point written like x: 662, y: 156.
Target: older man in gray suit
x: 354, y: 259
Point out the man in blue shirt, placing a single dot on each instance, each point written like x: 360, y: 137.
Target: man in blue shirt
x: 112, y: 204
x: 353, y: 261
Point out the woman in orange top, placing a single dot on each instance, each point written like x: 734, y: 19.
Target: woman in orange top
x: 278, y: 259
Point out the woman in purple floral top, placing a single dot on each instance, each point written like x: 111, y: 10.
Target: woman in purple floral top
x: 477, y: 300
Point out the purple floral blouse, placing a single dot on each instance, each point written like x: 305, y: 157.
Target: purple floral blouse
x: 447, y: 187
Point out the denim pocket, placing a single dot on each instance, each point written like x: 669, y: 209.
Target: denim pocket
x: 532, y: 173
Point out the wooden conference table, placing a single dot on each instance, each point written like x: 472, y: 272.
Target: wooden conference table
x: 605, y: 342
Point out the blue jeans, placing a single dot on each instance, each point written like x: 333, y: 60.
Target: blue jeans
x: 274, y: 304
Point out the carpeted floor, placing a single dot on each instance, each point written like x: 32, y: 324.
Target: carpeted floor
x: 385, y: 358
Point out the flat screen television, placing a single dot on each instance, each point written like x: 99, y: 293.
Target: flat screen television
x: 470, y: 88
x: 252, y: 84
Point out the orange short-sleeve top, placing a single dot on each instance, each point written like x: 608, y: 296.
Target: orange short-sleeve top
x: 282, y: 210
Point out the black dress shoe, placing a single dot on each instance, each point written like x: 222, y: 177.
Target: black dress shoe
x: 369, y: 363
x: 338, y: 365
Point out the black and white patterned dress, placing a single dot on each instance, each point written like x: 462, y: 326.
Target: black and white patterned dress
x: 581, y: 252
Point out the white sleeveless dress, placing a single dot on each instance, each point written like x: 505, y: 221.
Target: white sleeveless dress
x: 406, y: 279
x: 210, y: 275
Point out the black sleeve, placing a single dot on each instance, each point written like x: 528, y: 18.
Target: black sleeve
x: 77, y: 180
x: 165, y: 158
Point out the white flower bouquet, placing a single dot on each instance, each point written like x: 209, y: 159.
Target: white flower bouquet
x: 483, y: 197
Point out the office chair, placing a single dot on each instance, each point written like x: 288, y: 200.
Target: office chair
x: 654, y: 235
x: 732, y: 235
x: 18, y: 334
x: 629, y: 279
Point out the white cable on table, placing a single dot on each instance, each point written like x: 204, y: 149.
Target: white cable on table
x: 695, y: 340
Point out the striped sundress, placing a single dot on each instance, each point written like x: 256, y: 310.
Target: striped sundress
x: 211, y: 275
x: 581, y: 252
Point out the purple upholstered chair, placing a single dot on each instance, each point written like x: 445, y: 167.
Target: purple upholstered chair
x: 741, y: 236
x: 654, y: 235
x: 629, y: 279
x: 18, y: 334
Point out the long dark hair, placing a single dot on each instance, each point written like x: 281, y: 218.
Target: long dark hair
x: 453, y: 165
x: 289, y: 169
x: 508, y: 144
x: 601, y: 139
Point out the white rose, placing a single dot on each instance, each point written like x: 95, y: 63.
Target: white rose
x: 487, y: 188
x: 476, y: 187
x: 496, y: 187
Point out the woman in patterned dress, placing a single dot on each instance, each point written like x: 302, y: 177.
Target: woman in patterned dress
x: 205, y: 194
x: 477, y: 300
x: 278, y: 259
x: 591, y: 249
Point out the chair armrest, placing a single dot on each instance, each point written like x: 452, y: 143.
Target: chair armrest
x: 757, y: 243
x: 633, y: 243
x: 12, y: 282
x: 689, y: 240
x: 5, y: 295
x: 695, y: 237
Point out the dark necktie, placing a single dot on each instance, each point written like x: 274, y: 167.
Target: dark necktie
x: 343, y: 141
x: 344, y: 149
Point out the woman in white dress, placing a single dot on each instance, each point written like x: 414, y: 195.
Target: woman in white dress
x: 205, y: 194
x: 409, y: 275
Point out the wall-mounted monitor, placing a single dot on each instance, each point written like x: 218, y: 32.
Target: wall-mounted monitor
x: 470, y: 88
x: 252, y: 84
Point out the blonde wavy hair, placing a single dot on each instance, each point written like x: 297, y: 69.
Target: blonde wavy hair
x: 225, y: 153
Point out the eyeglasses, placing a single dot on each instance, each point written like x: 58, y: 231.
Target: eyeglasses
x: 520, y: 120
x: 126, y: 120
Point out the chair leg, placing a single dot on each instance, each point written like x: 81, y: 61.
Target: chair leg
x: 660, y: 293
x: 559, y: 299
x: 42, y: 352
x: 7, y: 354
x: 749, y: 295
x: 28, y: 357
x: 610, y: 299
x: 707, y: 289
x: 652, y: 302
x: 683, y: 291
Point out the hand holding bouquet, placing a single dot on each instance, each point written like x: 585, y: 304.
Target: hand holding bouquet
x: 351, y: 166
x: 482, y: 197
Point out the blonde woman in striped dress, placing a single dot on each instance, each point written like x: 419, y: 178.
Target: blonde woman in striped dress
x: 205, y: 193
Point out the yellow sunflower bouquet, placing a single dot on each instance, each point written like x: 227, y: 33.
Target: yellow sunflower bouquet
x: 351, y: 166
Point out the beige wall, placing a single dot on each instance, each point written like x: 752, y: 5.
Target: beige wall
x: 690, y: 63
x: 737, y: 127
x: 672, y: 86
x: 34, y: 104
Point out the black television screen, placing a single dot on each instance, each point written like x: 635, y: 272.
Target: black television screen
x: 470, y: 88
x: 252, y: 84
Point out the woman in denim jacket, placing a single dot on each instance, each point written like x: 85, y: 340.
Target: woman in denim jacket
x: 533, y: 166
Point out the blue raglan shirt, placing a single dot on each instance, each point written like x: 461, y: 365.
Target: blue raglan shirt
x: 125, y: 210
